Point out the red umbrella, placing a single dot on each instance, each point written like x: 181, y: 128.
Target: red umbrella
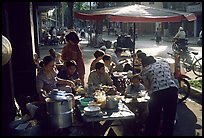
x: 135, y: 13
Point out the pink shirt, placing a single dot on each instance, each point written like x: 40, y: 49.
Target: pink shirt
x: 73, y: 52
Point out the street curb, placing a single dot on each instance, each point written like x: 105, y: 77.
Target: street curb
x: 197, y: 94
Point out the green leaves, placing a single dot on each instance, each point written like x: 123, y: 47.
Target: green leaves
x: 196, y: 83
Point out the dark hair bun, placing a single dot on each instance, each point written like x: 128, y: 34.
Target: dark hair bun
x: 73, y: 37
x: 47, y: 59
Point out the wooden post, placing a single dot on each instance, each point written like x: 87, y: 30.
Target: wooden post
x: 90, y: 33
x: 134, y: 45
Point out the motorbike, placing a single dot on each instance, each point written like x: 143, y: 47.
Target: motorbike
x: 179, y: 46
x: 124, y: 41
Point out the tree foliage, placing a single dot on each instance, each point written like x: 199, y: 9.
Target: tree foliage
x: 81, y: 6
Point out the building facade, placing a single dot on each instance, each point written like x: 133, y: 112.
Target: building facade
x: 170, y: 29
x: 192, y: 28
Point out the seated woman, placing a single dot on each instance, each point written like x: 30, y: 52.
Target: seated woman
x: 135, y: 86
x: 47, y: 79
x: 70, y: 72
x: 98, y: 77
x: 98, y: 56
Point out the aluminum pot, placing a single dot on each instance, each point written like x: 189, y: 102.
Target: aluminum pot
x: 61, y: 120
x: 57, y: 107
x: 57, y: 103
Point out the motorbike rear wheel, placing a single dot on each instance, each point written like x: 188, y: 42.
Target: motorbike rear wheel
x: 184, y: 90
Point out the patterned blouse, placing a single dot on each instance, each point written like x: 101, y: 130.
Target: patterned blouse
x: 47, y: 84
x: 159, y: 76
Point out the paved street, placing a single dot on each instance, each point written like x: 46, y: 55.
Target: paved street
x: 189, y: 113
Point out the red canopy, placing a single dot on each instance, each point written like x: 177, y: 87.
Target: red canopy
x: 135, y: 13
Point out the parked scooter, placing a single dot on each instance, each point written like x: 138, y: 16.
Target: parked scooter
x: 124, y: 41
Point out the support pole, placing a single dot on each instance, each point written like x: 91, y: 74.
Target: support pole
x: 134, y: 45
x: 90, y: 30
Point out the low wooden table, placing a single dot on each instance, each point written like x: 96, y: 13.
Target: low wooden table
x: 109, y: 116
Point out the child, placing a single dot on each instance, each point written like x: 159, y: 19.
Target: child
x: 98, y: 56
x: 135, y: 86
x: 70, y: 73
x: 109, y: 65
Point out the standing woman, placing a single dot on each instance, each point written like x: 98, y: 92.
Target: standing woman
x: 47, y: 79
x: 163, y: 92
x: 72, y: 51
x: 158, y: 35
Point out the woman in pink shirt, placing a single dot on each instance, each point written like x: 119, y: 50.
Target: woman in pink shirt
x: 72, y: 51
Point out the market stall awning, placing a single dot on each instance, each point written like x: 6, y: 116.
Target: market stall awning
x: 136, y: 13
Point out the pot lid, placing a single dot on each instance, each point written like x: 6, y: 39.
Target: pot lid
x: 59, y: 95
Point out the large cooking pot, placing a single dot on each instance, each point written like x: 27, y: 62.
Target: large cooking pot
x: 61, y: 120
x: 59, y: 102
x: 60, y: 108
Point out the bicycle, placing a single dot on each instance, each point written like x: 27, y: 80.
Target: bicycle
x: 189, y: 63
x: 181, y: 80
x: 194, y: 64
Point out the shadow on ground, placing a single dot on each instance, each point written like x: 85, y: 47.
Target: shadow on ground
x: 187, y: 122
